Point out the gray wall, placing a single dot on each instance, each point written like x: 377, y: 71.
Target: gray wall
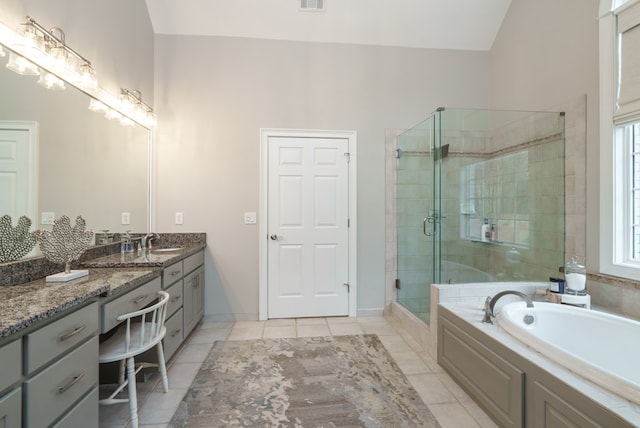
x: 213, y: 94
x: 545, y: 55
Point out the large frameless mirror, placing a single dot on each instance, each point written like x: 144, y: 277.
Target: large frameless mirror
x: 58, y: 157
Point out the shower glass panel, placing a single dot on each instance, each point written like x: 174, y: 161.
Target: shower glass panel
x: 461, y: 168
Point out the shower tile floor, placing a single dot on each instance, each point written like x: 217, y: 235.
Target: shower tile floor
x: 449, y: 403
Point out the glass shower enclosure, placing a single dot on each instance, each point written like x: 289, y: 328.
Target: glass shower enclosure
x: 479, y: 198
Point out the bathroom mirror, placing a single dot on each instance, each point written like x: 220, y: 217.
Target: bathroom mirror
x: 82, y: 163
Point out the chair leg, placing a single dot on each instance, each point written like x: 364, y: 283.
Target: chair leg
x: 163, y: 368
x: 133, y: 396
x: 121, y: 363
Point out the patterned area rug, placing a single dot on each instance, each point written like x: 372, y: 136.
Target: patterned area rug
x: 339, y: 381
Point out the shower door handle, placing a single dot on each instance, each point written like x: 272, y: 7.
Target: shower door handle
x: 424, y: 226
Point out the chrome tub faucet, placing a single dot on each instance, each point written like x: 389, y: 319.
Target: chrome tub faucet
x: 490, y: 303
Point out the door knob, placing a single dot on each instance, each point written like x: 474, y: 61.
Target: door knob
x: 274, y: 237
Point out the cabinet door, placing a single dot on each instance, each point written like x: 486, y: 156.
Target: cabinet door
x: 11, y: 409
x: 497, y: 385
x: 193, y: 304
x: 551, y: 411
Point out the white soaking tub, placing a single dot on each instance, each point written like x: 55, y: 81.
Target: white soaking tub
x: 601, y: 347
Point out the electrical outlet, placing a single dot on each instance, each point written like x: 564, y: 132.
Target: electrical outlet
x: 47, y: 217
x: 179, y: 218
x: 249, y: 218
x: 126, y: 218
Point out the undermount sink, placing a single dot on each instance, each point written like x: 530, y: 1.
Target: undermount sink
x: 166, y: 250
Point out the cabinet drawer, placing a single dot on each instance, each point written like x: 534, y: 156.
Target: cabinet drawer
x: 175, y: 298
x: 49, y: 394
x: 11, y: 409
x: 171, y: 274
x: 130, y: 302
x: 10, y: 366
x: 174, y: 336
x: 83, y: 414
x: 192, y: 262
x: 45, y: 344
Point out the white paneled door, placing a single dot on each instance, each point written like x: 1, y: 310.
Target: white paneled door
x: 308, y: 227
x: 17, y: 169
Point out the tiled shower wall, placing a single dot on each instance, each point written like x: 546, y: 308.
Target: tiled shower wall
x: 543, y: 162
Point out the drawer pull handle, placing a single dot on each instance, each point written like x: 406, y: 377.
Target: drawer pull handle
x: 175, y: 298
x: 139, y: 299
x: 174, y: 272
x: 173, y: 334
x: 72, y: 333
x: 72, y: 382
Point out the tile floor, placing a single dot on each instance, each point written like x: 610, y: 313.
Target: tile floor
x: 450, y: 405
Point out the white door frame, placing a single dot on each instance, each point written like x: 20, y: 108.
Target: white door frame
x: 265, y: 134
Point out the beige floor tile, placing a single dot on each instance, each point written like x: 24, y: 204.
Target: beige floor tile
x: 379, y: 328
x: 248, y: 324
x: 246, y: 333
x: 430, y: 389
x: 453, y: 387
x: 453, y: 415
x: 195, y: 353
x: 209, y: 335
x: 478, y: 414
x: 313, y: 330
x: 345, y: 329
x: 341, y: 320
x: 153, y: 425
x: 279, y: 332
x: 311, y: 321
x: 160, y: 407
x: 409, y: 362
x: 180, y: 375
x: 394, y: 343
x: 280, y: 322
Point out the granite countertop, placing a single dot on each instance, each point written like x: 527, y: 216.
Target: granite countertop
x: 24, y: 305
x: 144, y: 259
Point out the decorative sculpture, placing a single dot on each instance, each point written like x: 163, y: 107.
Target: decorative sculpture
x: 65, y: 244
x: 15, y: 242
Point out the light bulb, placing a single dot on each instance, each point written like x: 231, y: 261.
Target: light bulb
x: 20, y: 65
x: 51, y: 81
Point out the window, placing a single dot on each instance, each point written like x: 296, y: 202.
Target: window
x: 620, y: 138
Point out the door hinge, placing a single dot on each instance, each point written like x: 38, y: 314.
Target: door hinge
x: 348, y: 223
x: 346, y: 284
x: 397, y: 283
x: 348, y: 156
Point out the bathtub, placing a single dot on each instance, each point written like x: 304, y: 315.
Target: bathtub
x: 600, y: 347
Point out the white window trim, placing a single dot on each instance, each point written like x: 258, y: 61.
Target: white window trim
x: 609, y: 232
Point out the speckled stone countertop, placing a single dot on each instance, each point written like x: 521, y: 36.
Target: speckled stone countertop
x: 24, y: 305
x: 144, y: 259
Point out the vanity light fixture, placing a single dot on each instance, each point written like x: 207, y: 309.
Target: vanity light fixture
x: 59, y: 55
x: 133, y: 105
x: 35, y: 50
x: 51, y: 81
x: 21, y: 65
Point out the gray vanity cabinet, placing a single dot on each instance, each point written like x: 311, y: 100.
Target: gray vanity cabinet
x: 193, y: 299
x: 11, y: 398
x: 184, y: 281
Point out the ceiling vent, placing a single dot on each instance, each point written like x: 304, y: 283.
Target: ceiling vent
x: 312, y: 5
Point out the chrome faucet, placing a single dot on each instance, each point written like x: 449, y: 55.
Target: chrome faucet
x: 490, y: 303
x: 146, y: 240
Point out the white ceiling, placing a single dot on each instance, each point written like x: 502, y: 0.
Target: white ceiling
x: 437, y: 24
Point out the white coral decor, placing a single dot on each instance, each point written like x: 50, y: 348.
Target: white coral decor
x: 65, y: 244
x: 15, y: 242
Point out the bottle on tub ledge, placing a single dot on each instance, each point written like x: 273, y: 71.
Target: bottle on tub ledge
x: 485, y: 231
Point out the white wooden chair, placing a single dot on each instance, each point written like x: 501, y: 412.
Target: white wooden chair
x: 142, y: 330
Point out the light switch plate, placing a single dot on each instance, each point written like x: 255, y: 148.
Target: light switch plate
x: 179, y: 218
x: 47, y: 217
x: 250, y: 218
x: 126, y: 218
